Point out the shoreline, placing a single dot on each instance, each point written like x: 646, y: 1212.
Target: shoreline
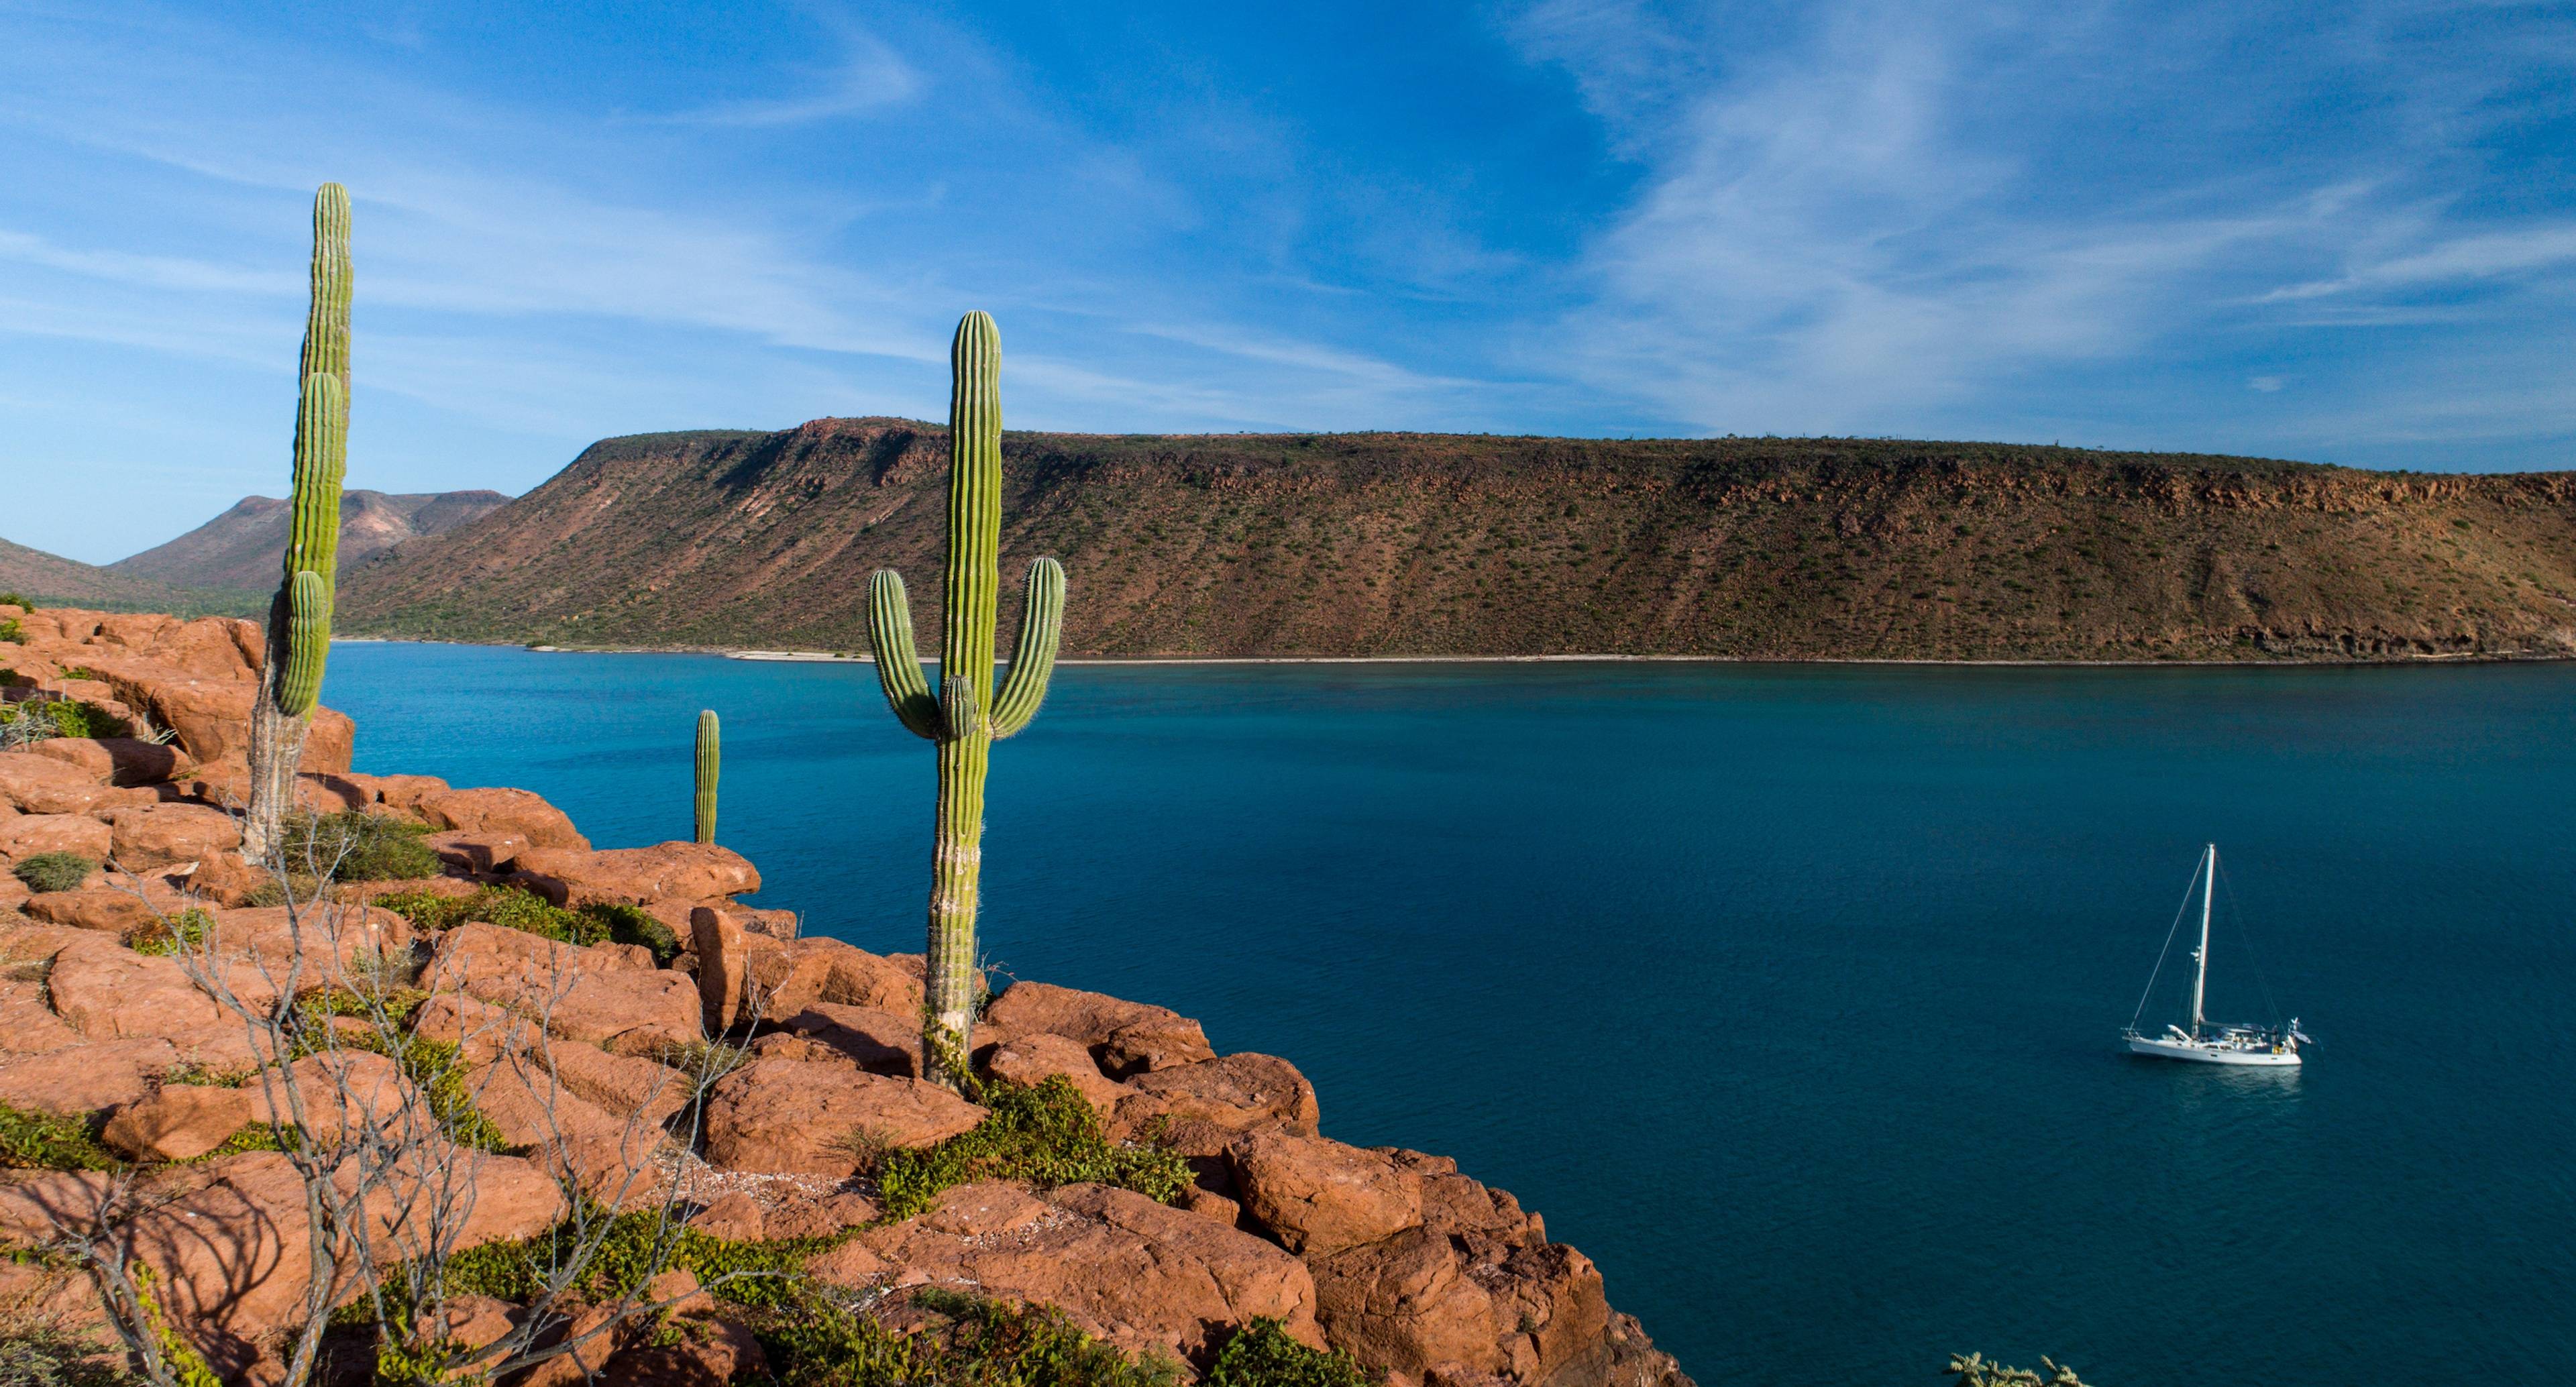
x: 825, y: 657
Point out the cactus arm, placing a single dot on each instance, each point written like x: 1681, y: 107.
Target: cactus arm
x: 710, y: 750
x: 1033, y: 659
x: 898, y: 668
x: 299, y: 685
x: 321, y: 461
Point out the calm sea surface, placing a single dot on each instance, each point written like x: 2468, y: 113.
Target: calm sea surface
x: 1787, y: 993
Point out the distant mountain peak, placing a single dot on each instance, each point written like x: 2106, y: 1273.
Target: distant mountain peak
x: 242, y: 548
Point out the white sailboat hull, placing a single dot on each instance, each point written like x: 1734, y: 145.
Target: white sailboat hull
x: 2211, y: 1051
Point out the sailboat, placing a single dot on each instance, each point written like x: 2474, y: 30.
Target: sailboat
x: 2202, y: 1042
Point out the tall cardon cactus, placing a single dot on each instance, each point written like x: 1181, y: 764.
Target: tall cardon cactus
x: 709, y: 750
x: 299, y: 617
x: 967, y: 716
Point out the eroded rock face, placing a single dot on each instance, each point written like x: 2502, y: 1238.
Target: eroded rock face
x: 1140, y: 1274
x: 635, y: 876
x: 1236, y: 1092
x: 1406, y: 1303
x: 566, y: 987
x: 1321, y: 1196
x: 1033, y: 1059
x: 178, y: 1123
x: 25, y: 835
x: 34, y: 784
x: 500, y: 811
x: 817, y: 1117
x: 1143, y: 1038
x: 161, y: 835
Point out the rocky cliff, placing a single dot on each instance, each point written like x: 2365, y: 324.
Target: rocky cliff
x: 566, y: 1052
x: 1396, y: 544
x: 242, y: 548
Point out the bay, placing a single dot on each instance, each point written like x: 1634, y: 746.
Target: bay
x: 1787, y: 993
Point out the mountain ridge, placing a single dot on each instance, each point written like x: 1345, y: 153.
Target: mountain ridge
x: 241, y: 548
x: 1424, y: 544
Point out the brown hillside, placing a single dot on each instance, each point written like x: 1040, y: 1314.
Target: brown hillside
x: 1393, y: 544
x: 52, y: 580
x: 242, y: 548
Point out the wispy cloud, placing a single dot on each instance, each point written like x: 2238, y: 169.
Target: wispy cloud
x: 869, y: 76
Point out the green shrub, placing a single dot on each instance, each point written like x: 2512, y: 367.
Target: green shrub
x: 165, y: 938
x: 1974, y: 1371
x: 1262, y: 1355
x: 45, y: 1355
x: 358, y: 846
x: 42, y: 1141
x: 83, y: 672
x: 73, y: 718
x: 17, y: 600
x: 10, y: 630
x: 1047, y: 1134
x: 633, y: 924
x: 54, y: 871
x: 973, y: 1343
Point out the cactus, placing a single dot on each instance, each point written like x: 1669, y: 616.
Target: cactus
x: 709, y: 750
x: 968, y: 716
x: 299, y: 617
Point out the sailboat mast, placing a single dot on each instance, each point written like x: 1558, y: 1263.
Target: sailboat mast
x: 2200, y: 957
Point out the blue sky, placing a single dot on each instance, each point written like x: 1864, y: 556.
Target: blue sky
x: 2338, y: 232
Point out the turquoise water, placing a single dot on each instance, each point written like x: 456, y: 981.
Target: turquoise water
x: 1787, y: 993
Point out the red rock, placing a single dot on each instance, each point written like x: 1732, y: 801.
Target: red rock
x: 612, y: 1159
x: 83, y: 1078
x: 784, y: 1115
x: 721, y: 966
x: 474, y: 850
x: 1551, y: 1298
x: 1158, y: 1037
x: 1404, y: 1304
x: 694, y: 1351
x: 562, y: 984
x: 27, y: 1025
x: 226, y: 878
x: 1235, y: 1092
x: 405, y: 792
x: 179, y: 1122
x: 507, y: 811
x: 104, y: 909
x: 328, y: 1094
x: 473, y: 1321
x: 479, y: 1030
x: 1032, y: 1059
x: 110, y: 992
x: 1147, y: 1277
x: 329, y: 945
x: 635, y: 876
x: 734, y: 1217
x: 160, y: 835
x: 39, y: 785
x: 116, y: 760
x: 25, y: 835
x: 880, y: 1042
x: 620, y: 1084
x: 332, y: 793
x: 821, y: 1218
x: 1321, y: 1196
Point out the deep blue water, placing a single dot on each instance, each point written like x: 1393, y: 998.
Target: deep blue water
x: 1787, y: 993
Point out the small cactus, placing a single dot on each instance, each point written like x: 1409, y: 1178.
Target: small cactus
x: 709, y: 750
x: 299, y: 617
x: 967, y: 717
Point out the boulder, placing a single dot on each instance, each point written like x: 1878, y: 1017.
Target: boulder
x: 735, y: 1217
x: 25, y: 835
x: 718, y: 942
x: 27, y: 1025
x: 1156, y: 1037
x: 1321, y: 1196
x: 227, y: 878
x: 1147, y: 1277
x: 693, y: 1350
x: 880, y: 1042
x: 359, y: 937
x: 112, y: 992
x: 161, y: 835
x: 1551, y: 1301
x: 498, y: 810
x: 1403, y: 1304
x: 40, y: 785
x: 330, y: 1092
x: 612, y: 1159
x: 1235, y: 1093
x: 619, y: 1083
x: 635, y: 876
x: 818, y: 1118
x: 180, y: 1122
x: 117, y: 760
x: 83, y: 1078
x: 1032, y: 1059
x: 578, y: 1000
x: 105, y: 909
x: 473, y: 850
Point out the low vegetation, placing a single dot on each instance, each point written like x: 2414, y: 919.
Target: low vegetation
x: 356, y: 846
x: 32, y: 1140
x: 1972, y: 1370
x: 43, y: 718
x: 54, y: 871
x: 511, y: 907
x: 970, y: 1342
x: 1262, y: 1355
x: 173, y: 936
x: 1046, y: 1134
